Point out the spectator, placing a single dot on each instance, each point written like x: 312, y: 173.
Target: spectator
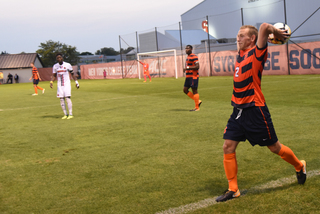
x: 10, y: 77
x: 16, y: 78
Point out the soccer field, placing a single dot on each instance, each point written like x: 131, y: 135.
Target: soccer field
x: 134, y: 147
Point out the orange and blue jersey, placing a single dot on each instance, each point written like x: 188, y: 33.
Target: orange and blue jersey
x: 192, y: 59
x: 35, y: 73
x: 247, y: 78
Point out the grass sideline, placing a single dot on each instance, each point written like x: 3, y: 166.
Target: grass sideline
x: 134, y: 147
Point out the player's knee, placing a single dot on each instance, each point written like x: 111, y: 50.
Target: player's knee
x: 228, y: 148
x: 275, y: 148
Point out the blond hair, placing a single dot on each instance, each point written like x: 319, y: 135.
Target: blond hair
x: 252, y: 31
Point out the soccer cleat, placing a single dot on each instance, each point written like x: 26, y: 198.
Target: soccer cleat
x: 34, y: 94
x: 195, y: 109
x: 69, y: 117
x: 200, y: 102
x: 302, y: 175
x: 64, y: 117
x: 228, y: 194
x: 43, y: 91
x: 144, y: 81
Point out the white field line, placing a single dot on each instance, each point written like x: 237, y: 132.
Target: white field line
x: 257, y: 189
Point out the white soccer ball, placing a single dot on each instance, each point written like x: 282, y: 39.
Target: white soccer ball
x: 277, y: 41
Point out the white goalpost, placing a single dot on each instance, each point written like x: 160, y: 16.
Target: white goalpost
x: 159, y: 55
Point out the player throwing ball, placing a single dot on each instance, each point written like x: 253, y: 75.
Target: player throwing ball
x: 250, y: 119
x: 61, y: 71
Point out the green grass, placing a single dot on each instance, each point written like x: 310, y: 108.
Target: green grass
x: 134, y: 147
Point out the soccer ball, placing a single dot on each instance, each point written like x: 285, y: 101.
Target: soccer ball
x: 277, y: 41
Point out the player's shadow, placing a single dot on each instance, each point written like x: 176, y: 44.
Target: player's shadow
x: 214, y: 186
x: 179, y: 110
x: 51, y: 116
x: 217, y: 186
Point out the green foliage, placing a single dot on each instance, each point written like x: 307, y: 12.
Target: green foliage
x: 85, y: 53
x: 48, y: 51
x: 134, y: 147
x: 112, y: 52
x: 107, y: 52
x: 125, y: 51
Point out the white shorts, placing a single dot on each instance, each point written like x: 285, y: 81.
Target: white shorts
x: 64, y: 91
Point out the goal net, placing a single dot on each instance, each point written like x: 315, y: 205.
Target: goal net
x: 161, y: 63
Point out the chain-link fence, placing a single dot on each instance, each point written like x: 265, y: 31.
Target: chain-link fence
x: 211, y: 34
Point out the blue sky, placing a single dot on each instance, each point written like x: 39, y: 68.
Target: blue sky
x: 86, y: 24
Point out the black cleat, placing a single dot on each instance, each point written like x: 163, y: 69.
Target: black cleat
x: 228, y: 194
x: 302, y: 175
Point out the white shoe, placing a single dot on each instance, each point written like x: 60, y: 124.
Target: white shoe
x: 34, y: 94
x: 43, y: 91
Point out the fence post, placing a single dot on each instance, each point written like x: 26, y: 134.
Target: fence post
x: 209, y: 47
x: 182, y: 64
x: 121, y: 55
x: 287, y: 45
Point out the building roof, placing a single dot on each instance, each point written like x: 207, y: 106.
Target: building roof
x: 14, y: 61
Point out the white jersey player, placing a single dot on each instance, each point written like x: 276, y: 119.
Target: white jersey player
x: 62, y: 71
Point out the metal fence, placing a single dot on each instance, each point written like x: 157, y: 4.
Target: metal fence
x: 209, y: 33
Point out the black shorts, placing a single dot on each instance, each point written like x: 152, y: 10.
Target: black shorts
x: 253, y: 124
x: 191, y: 83
x: 36, y: 82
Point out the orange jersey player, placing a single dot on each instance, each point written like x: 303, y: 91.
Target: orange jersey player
x: 36, y: 77
x: 251, y: 119
x: 145, y: 71
x: 192, y: 77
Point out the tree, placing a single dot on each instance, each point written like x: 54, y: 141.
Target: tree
x: 48, y: 52
x: 4, y: 52
x: 125, y: 51
x: 85, y: 53
x: 107, y: 52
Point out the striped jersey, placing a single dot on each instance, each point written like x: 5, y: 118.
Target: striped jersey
x: 35, y: 73
x: 192, y: 59
x: 62, y: 72
x: 247, y: 78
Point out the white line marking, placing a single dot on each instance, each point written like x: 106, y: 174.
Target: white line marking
x: 260, y: 188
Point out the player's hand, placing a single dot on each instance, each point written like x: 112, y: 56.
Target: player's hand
x: 77, y: 84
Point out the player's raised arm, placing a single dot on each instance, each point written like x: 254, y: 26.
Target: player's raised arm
x: 266, y: 29
x: 140, y: 62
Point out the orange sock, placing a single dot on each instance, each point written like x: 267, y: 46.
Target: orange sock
x: 196, y: 100
x: 231, y: 170
x: 36, y: 90
x: 287, y: 154
x: 190, y: 94
x: 38, y: 87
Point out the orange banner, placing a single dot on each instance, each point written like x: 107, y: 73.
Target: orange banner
x: 301, y: 61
